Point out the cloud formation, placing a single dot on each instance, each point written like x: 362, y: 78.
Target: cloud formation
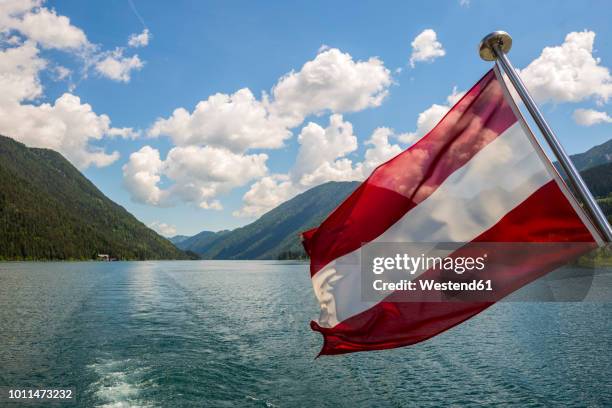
x: 41, y: 25
x: 141, y: 176
x: 197, y: 174
x: 320, y: 148
x: 213, y: 141
x: 67, y: 124
x: 237, y: 122
x: 333, y: 82
x: 115, y: 66
x: 431, y: 116
x: 162, y: 228
x: 322, y: 157
x: 426, y: 47
x: 590, y: 117
x: 569, y: 72
x: 140, y: 40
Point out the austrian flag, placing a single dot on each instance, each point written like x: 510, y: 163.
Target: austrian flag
x: 479, y: 176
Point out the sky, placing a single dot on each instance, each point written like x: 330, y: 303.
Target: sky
x: 199, y: 115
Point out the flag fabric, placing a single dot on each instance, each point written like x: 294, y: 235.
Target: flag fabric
x: 478, y: 176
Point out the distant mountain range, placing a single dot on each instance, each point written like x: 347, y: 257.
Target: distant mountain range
x: 178, y: 238
x: 599, y: 179
x: 595, y: 156
x: 276, y: 234
x: 49, y: 210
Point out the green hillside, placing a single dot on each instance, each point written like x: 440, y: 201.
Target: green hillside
x: 201, y: 242
x: 595, y: 156
x: 275, y: 235
x: 49, y: 210
x: 599, y: 179
x: 178, y: 238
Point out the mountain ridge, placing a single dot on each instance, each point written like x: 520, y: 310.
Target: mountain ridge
x: 596, y: 155
x: 595, y: 166
x: 50, y: 211
x: 275, y: 235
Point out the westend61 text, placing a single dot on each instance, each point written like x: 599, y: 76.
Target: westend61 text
x: 413, y: 264
x: 432, y: 285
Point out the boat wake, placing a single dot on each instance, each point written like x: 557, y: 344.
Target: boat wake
x: 121, y: 383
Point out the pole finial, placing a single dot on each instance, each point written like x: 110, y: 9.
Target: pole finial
x: 486, y: 47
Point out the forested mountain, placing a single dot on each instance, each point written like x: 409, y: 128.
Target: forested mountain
x: 178, y: 238
x: 201, y: 242
x: 49, y: 210
x: 599, y: 179
x: 600, y: 154
x: 275, y: 235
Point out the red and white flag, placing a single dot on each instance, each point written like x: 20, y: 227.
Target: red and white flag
x: 478, y: 176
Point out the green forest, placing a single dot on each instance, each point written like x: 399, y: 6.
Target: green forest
x: 49, y: 210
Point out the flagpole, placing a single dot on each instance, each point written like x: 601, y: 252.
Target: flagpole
x: 494, y: 47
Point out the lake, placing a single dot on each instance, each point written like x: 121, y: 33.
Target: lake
x: 234, y: 333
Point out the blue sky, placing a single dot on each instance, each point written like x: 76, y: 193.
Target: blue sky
x: 197, y: 49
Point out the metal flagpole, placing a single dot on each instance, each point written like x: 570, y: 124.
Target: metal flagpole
x: 494, y: 48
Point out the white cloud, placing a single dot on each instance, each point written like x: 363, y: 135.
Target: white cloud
x: 237, y: 122
x: 162, y: 228
x: 41, y: 25
x: 195, y: 174
x: 569, y: 72
x: 117, y: 67
x: 50, y: 30
x: 19, y: 68
x: 211, y: 205
x: 124, y: 133
x: 430, y: 117
x: 590, y: 117
x: 140, y: 40
x: 320, y: 147
x: 202, y: 173
x: 67, y: 125
x: 29, y: 20
x: 464, y: 3
x: 426, y: 47
x: 212, y: 142
x: 381, y: 150
x: 321, y: 158
x: 61, y: 72
x: 142, y: 174
x: 11, y: 9
x: 265, y: 194
x: 334, y: 82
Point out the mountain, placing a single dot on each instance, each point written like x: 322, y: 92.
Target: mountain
x: 275, y: 235
x: 178, y: 238
x: 599, y: 179
x: 49, y: 210
x: 595, y: 156
x: 200, y: 243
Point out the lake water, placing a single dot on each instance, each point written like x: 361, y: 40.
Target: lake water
x: 221, y: 333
